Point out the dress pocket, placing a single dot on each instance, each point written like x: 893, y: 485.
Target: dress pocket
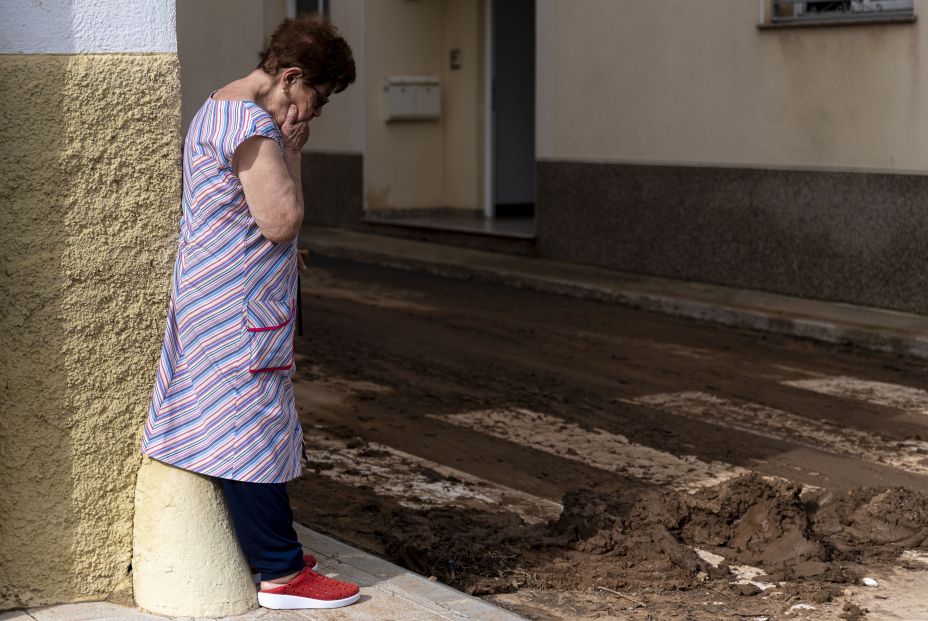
x: 270, y: 334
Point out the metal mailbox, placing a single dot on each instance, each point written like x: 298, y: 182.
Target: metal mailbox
x: 411, y: 98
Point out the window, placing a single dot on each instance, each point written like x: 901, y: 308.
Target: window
x: 840, y: 11
x: 313, y: 6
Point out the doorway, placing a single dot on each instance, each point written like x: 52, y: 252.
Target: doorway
x: 510, y: 192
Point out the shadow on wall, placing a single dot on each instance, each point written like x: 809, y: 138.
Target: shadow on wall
x: 92, y: 184
x: 37, y: 515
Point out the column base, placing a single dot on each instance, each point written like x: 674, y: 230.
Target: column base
x: 186, y: 560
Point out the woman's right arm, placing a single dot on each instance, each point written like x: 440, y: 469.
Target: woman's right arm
x: 272, y: 184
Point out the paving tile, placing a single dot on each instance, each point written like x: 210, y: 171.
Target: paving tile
x: 380, y: 589
x: 388, y: 593
x: 408, y: 603
x: 324, y: 545
x: 264, y: 614
x: 348, y: 573
x: 380, y: 568
x: 422, y: 597
x: 368, y: 570
x: 431, y: 594
x: 473, y: 608
x: 257, y: 614
x: 451, y: 605
x: 15, y: 615
x: 91, y: 611
x: 377, y: 608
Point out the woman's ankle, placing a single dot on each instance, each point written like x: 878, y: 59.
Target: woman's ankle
x: 273, y: 583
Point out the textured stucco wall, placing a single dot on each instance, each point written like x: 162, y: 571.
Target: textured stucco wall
x: 89, y: 200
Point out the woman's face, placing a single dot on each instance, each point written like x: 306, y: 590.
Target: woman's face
x: 309, y: 98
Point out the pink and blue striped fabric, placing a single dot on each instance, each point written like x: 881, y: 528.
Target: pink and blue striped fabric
x: 223, y: 403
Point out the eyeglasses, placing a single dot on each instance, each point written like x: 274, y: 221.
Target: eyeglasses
x: 321, y: 99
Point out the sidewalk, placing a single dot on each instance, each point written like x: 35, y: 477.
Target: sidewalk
x: 831, y: 322
x: 388, y: 593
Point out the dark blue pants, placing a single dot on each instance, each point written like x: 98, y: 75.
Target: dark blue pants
x: 264, y: 526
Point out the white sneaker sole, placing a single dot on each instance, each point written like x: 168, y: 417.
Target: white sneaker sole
x: 294, y: 602
x: 256, y: 578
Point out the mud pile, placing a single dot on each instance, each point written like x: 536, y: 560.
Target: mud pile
x: 649, y: 537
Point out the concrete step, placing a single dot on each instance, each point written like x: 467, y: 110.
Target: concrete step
x: 506, y: 236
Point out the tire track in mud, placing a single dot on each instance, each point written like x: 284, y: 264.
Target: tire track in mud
x: 902, y: 398
x: 756, y: 419
x: 442, y: 365
x: 598, y: 448
x: 862, y: 404
x: 416, y: 482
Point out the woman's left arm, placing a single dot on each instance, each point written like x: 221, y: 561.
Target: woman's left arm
x: 272, y: 184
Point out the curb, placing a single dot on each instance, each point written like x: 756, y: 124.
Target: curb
x: 872, y: 335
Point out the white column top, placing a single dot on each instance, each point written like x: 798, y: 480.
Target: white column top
x: 87, y: 26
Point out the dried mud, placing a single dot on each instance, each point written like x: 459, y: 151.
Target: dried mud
x: 648, y: 538
x: 789, y: 540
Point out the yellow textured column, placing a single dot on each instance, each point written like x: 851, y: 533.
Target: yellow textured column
x: 186, y: 561
x: 90, y: 193
x: 90, y: 187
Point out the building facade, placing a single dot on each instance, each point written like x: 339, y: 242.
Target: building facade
x: 709, y: 142
x: 776, y: 145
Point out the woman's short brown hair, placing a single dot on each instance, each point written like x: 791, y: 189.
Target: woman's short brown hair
x: 312, y: 43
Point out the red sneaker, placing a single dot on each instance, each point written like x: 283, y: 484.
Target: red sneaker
x: 308, y: 559
x: 309, y: 590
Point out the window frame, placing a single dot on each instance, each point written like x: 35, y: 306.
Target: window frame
x: 326, y: 5
x: 876, y: 15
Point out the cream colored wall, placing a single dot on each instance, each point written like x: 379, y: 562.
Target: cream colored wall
x: 680, y: 82
x: 217, y: 41
x: 273, y: 12
x: 90, y: 189
x: 463, y: 105
x: 424, y: 164
x: 406, y: 165
x: 221, y: 40
x: 341, y: 127
x: 403, y: 164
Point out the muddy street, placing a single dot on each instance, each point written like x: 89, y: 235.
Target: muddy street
x: 570, y: 459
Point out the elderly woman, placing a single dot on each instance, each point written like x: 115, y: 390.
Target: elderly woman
x: 223, y: 404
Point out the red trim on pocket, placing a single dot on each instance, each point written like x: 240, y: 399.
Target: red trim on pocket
x: 269, y: 369
x: 269, y: 327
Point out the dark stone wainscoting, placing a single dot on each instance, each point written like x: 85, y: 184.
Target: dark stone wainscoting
x: 860, y: 238
x: 333, y: 189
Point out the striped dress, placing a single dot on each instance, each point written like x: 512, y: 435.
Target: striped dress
x: 223, y: 403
